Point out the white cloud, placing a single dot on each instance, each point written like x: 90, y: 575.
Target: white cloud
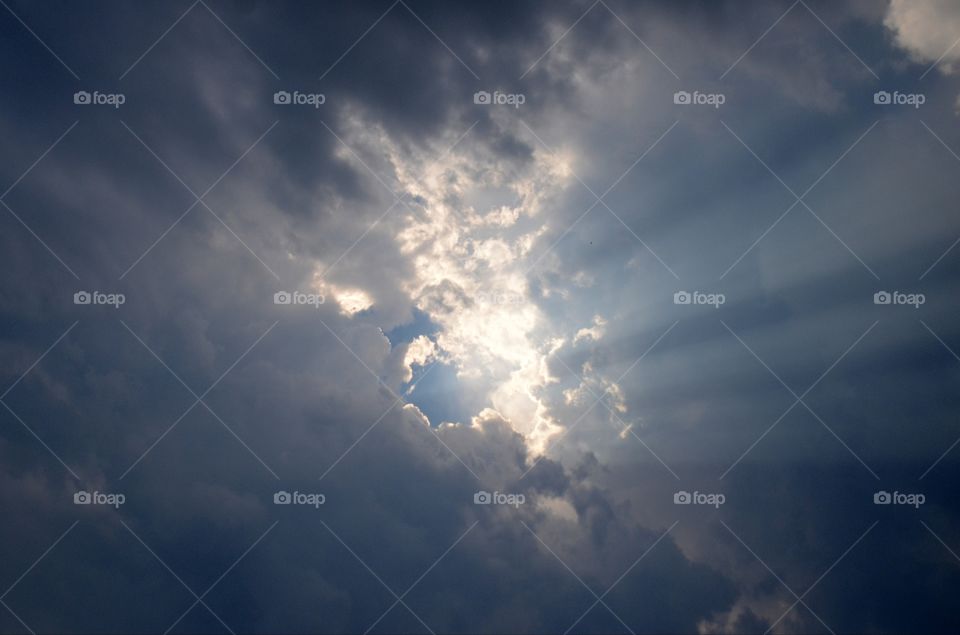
x: 927, y: 29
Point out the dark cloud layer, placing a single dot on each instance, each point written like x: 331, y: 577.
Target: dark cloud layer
x: 418, y: 212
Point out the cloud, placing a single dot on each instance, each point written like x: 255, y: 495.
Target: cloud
x: 401, y: 199
x: 927, y: 30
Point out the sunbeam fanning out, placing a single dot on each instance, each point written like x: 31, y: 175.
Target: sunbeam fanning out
x: 501, y: 317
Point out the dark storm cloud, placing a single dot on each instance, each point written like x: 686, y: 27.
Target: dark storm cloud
x: 298, y: 399
x: 292, y: 408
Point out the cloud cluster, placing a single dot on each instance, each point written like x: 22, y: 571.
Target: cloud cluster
x: 521, y: 262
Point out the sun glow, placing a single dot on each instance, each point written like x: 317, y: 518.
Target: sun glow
x: 469, y: 235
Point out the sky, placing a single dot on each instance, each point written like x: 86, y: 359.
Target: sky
x: 479, y: 317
